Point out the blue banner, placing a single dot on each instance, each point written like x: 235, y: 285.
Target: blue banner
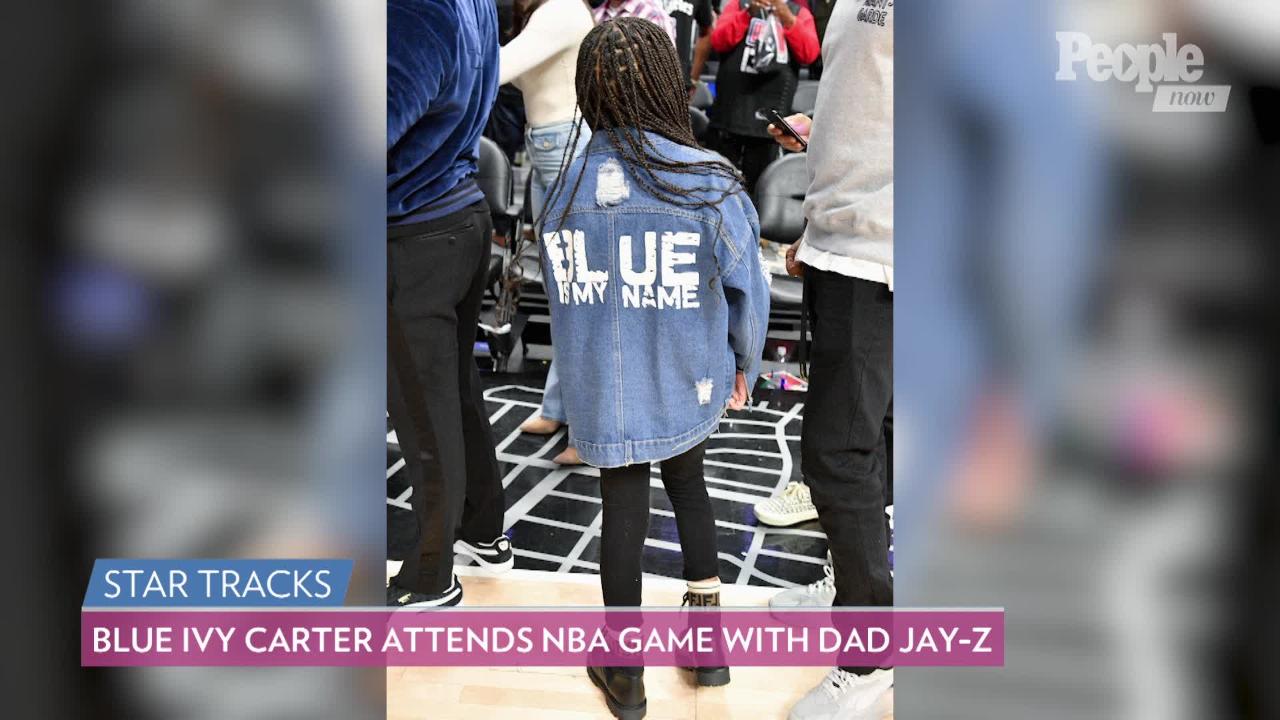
x: 118, y: 583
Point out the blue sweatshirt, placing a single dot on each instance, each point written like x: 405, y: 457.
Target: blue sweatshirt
x: 442, y: 77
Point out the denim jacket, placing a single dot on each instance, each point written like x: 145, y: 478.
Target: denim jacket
x: 654, y: 307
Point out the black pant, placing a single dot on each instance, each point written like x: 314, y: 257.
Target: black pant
x: 847, y: 440
x: 749, y: 154
x: 625, y: 495
x: 436, y: 274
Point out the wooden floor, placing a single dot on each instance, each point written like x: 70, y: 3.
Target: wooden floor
x: 566, y: 693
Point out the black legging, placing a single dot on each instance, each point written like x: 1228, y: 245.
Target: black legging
x: 625, y: 495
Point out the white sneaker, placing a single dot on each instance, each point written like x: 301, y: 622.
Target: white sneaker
x: 821, y: 593
x: 845, y: 696
x: 399, y: 597
x: 789, y: 507
x: 495, y: 557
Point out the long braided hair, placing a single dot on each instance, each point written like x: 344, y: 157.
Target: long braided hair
x: 629, y: 81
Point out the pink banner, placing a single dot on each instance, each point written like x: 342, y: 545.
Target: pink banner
x: 495, y: 638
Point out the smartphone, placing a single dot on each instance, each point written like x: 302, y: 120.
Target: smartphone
x: 775, y: 117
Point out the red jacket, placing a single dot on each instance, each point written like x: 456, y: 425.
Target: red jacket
x: 731, y: 28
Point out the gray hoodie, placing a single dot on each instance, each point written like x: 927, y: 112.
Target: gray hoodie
x: 850, y: 200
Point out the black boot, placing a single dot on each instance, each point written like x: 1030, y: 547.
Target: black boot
x: 707, y: 676
x: 623, y: 690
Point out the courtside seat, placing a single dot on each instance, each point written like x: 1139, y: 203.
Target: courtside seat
x: 528, y: 266
x: 494, y: 274
x: 497, y: 181
x: 780, y: 204
x: 702, y: 98
x: 786, y: 291
x: 526, y: 206
x: 700, y: 123
x: 806, y: 98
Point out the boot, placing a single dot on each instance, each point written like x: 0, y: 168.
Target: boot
x: 706, y: 676
x: 623, y: 690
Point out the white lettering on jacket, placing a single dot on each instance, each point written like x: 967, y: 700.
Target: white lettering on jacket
x: 664, y: 280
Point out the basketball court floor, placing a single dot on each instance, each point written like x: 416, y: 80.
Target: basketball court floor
x: 553, y: 512
x: 565, y: 693
x: 553, y: 517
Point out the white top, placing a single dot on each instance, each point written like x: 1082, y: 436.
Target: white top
x: 543, y: 58
x: 849, y: 204
x: 845, y: 265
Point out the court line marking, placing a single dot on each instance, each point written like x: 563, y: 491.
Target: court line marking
x: 718, y: 487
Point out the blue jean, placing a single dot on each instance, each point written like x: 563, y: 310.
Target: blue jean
x: 545, y: 146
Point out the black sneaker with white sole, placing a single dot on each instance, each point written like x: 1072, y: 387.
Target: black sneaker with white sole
x: 496, y: 556
x: 402, y: 597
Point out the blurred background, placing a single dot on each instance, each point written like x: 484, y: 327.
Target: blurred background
x: 1084, y: 345
x: 198, y: 189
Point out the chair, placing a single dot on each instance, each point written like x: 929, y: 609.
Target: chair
x: 700, y: 123
x: 497, y: 181
x: 527, y: 266
x: 526, y: 207
x: 780, y: 203
x: 806, y: 98
x: 702, y: 97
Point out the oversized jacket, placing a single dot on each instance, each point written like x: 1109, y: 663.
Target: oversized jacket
x: 654, y: 307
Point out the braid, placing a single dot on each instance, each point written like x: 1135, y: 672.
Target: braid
x: 629, y: 79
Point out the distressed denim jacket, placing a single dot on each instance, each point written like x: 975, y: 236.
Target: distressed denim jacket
x: 654, y: 307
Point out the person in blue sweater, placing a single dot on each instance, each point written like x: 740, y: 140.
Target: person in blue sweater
x: 442, y: 78
x: 659, y: 308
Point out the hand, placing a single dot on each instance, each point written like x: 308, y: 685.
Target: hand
x: 739, y: 398
x: 778, y: 7
x: 795, y: 268
x: 801, y: 123
x: 783, y: 11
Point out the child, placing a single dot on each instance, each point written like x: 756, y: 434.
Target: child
x: 659, y: 307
